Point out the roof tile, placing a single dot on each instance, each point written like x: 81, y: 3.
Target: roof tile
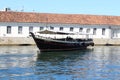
x: 58, y: 18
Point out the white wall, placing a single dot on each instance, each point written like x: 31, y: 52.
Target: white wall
x: 36, y: 28
x: 85, y: 27
x: 14, y: 29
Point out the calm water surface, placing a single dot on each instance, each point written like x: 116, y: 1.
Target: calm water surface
x: 24, y: 63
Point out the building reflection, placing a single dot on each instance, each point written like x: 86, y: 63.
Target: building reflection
x: 17, y: 56
x: 101, y: 63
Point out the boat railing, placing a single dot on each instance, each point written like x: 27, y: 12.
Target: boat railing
x: 38, y: 36
x: 68, y: 38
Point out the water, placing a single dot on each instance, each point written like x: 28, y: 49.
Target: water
x: 24, y: 63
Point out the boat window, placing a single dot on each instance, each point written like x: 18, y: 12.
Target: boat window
x: 52, y: 28
x: 41, y: 28
x: 61, y: 28
x: 31, y: 29
x: 94, y: 31
x: 71, y: 28
x: 19, y: 29
x: 81, y: 29
x: 8, y: 29
x: 88, y: 30
x: 103, y: 31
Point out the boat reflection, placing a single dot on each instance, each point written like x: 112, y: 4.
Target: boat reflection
x: 61, y: 63
x: 61, y: 55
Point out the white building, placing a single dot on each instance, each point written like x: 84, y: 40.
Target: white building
x: 19, y: 24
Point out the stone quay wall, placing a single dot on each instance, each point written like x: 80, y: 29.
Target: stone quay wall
x: 105, y: 42
x: 16, y: 41
x: 22, y: 41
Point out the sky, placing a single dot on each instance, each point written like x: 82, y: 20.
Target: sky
x: 92, y: 7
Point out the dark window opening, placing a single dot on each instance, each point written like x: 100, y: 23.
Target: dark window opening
x: 81, y: 29
x: 52, y: 28
x: 31, y: 29
x: 94, y: 31
x: 71, y: 28
x: 61, y: 28
x: 19, y: 29
x: 8, y: 29
x: 41, y: 28
x: 103, y: 31
x: 88, y: 31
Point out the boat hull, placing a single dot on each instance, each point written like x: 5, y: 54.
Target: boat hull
x: 54, y: 45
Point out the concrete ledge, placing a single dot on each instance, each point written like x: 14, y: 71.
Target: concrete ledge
x: 107, y: 42
x: 20, y: 41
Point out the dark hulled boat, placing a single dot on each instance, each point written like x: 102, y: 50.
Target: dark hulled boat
x: 50, y: 44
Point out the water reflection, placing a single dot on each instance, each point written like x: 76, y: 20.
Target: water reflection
x: 68, y: 63
x: 58, y: 56
x: 23, y: 63
x: 99, y: 63
x: 16, y: 61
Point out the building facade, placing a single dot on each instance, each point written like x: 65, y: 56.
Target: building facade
x: 17, y: 25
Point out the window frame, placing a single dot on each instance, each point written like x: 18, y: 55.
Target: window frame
x: 71, y: 29
x: 20, y: 28
x: 88, y: 30
x: 41, y: 28
x: 30, y: 29
x: 9, y: 29
x: 80, y: 29
x: 94, y: 31
x: 61, y: 28
x: 103, y: 31
x: 51, y: 28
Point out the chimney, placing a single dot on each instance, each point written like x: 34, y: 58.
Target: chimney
x: 7, y: 9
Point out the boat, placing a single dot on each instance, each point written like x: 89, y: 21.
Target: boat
x: 61, y: 44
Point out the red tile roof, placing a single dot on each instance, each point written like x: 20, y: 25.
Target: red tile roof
x: 58, y: 18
